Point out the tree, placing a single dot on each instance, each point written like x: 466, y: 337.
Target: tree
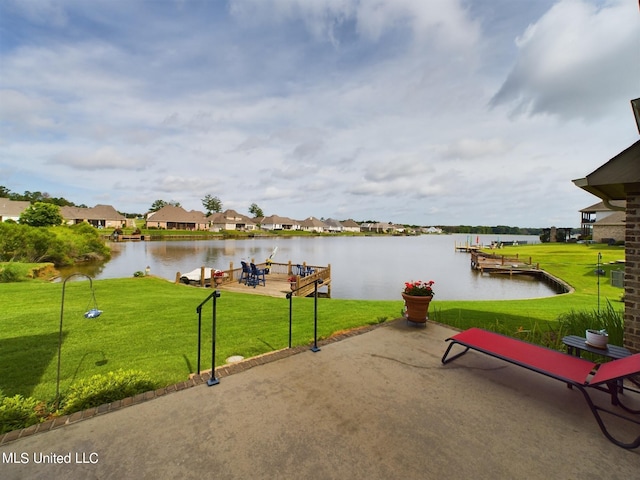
x: 41, y: 214
x: 256, y: 211
x: 212, y: 204
x: 157, y: 205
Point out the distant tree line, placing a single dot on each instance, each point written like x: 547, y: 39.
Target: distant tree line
x: 34, y: 197
x: 496, y: 230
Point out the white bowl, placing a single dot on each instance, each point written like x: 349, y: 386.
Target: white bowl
x: 597, y: 338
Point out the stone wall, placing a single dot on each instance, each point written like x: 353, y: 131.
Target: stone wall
x: 632, y: 272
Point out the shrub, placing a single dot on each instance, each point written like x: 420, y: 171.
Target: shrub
x: 10, y: 272
x: 609, y: 319
x: 17, y: 412
x: 106, y: 388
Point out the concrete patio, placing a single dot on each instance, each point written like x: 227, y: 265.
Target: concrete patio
x: 378, y: 405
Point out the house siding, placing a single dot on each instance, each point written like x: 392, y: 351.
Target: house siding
x: 604, y: 232
x: 632, y: 273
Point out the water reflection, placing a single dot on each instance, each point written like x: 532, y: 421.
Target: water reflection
x: 362, y: 267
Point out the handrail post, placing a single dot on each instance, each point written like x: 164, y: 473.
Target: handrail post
x: 215, y: 294
x: 290, y: 297
x: 315, y: 347
x: 199, y: 310
x: 213, y: 380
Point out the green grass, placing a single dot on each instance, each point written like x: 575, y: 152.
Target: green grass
x: 150, y: 324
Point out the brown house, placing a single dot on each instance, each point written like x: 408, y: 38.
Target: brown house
x: 100, y: 216
x: 12, y: 209
x: 599, y: 212
x: 171, y: 217
x: 619, y: 179
x: 231, y: 220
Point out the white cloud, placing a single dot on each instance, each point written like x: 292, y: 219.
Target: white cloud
x: 577, y: 60
x: 105, y: 158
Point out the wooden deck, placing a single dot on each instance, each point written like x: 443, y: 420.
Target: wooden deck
x: 276, y: 285
x: 500, y: 264
x: 276, y: 282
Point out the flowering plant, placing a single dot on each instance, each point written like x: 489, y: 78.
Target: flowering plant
x: 419, y: 288
x: 293, y: 279
x: 218, y: 273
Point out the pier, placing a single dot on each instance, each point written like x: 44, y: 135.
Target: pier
x: 277, y: 281
x: 502, y: 265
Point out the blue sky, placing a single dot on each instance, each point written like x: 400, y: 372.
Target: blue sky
x: 429, y: 112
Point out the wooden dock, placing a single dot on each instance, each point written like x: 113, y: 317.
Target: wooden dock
x: 502, y: 265
x: 276, y: 281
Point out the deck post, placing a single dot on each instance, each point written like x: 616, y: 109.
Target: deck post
x: 202, y: 276
x: 178, y: 277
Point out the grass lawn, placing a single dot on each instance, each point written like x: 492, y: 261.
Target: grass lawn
x: 150, y: 324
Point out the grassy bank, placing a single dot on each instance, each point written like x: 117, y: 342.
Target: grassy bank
x: 150, y: 324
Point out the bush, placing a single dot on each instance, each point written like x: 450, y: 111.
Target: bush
x: 100, y: 389
x: 61, y: 245
x: 609, y: 319
x: 10, y: 272
x: 17, y: 412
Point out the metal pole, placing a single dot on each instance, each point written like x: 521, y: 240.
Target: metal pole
x: 213, y: 380
x: 290, y: 297
x: 598, y: 274
x: 64, y: 284
x: 315, y: 347
x: 199, y: 311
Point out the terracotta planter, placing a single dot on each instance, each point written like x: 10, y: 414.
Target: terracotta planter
x: 417, y: 308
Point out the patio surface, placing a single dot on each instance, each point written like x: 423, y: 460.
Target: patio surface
x: 378, y: 405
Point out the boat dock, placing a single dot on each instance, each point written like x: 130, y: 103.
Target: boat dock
x: 282, y: 278
x: 503, y: 265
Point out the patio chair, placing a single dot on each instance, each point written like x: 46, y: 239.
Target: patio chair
x: 574, y: 371
x: 257, y: 276
x: 246, y: 273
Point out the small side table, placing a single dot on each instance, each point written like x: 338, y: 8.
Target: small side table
x: 575, y: 346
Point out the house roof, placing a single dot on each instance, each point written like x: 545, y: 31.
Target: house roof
x: 171, y: 213
x: 277, y: 220
x: 12, y: 208
x: 99, y: 212
x: 230, y: 216
x: 350, y: 223
x: 613, y: 179
x: 616, y: 218
x: 601, y: 207
x: 332, y: 222
x: 312, y: 222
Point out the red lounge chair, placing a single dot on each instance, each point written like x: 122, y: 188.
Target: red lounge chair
x: 574, y: 371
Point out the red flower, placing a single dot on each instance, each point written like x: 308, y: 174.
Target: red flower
x: 419, y: 288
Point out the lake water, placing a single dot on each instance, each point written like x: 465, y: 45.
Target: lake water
x: 361, y: 267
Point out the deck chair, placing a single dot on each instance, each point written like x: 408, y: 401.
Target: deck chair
x: 257, y: 276
x: 575, y: 372
x: 246, y: 273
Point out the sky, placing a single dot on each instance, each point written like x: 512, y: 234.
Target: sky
x: 422, y: 112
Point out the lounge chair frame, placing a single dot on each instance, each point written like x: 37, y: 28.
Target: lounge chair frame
x: 575, y: 372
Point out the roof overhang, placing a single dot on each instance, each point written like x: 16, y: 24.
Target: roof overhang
x: 615, y: 178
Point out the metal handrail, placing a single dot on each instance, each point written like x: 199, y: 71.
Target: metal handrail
x: 215, y: 295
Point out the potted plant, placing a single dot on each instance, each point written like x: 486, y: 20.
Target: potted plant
x: 417, y: 296
x: 597, y: 338
x: 218, y: 277
x: 293, y: 281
